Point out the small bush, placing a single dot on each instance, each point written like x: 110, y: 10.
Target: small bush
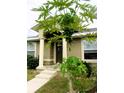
x: 82, y: 74
x: 87, y: 84
x: 74, y: 66
x: 32, y: 62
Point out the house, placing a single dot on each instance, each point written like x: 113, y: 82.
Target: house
x: 38, y: 47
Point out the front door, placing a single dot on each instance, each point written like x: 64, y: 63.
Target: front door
x: 59, y: 53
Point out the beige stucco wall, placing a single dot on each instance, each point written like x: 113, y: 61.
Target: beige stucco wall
x: 75, y: 48
x: 48, y: 53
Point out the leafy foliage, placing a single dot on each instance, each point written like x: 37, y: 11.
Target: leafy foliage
x: 32, y: 62
x: 74, y: 67
x: 90, y: 37
x: 62, y: 18
x: 82, y: 75
x: 86, y: 84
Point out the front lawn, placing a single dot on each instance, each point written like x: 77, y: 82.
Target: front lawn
x: 57, y: 84
x: 31, y: 73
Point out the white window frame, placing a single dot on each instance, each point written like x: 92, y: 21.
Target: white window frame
x: 34, y: 49
x: 82, y: 49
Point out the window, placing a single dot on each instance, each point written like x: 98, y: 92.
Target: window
x: 90, y: 50
x: 30, y: 48
x: 90, y: 54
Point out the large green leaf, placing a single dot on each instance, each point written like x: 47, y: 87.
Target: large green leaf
x: 66, y: 17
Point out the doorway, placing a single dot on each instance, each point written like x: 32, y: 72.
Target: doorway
x: 58, y: 53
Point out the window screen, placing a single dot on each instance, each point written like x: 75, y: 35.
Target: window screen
x: 90, y: 50
x: 30, y: 48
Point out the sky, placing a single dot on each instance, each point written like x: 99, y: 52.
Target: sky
x: 32, y: 16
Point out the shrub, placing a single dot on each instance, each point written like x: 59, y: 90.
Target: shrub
x: 32, y: 62
x: 81, y: 74
x: 94, y: 71
x: 87, y: 84
x: 74, y: 67
x: 89, y: 71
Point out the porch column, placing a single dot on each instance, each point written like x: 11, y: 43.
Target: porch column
x: 82, y: 50
x: 64, y: 48
x: 54, y: 53
x: 41, y: 50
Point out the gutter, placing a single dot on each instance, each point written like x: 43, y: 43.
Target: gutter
x: 33, y: 38
x: 75, y: 35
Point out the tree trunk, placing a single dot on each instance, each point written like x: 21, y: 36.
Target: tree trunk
x: 70, y: 86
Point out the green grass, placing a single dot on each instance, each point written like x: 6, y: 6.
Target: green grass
x: 85, y: 84
x: 31, y: 74
x: 57, y: 84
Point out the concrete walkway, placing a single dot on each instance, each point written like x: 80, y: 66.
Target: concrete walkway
x: 40, y: 80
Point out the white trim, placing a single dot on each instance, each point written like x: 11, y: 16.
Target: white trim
x: 31, y: 50
x: 82, y: 49
x: 82, y: 53
x: 90, y: 60
x: 48, y: 59
x: 79, y: 34
x: 33, y: 38
x: 83, y: 33
x: 54, y: 53
x: 41, y: 52
x: 64, y: 48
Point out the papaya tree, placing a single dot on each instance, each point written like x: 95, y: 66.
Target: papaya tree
x: 61, y: 19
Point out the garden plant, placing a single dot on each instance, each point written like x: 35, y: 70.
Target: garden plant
x: 78, y: 72
x: 32, y: 62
